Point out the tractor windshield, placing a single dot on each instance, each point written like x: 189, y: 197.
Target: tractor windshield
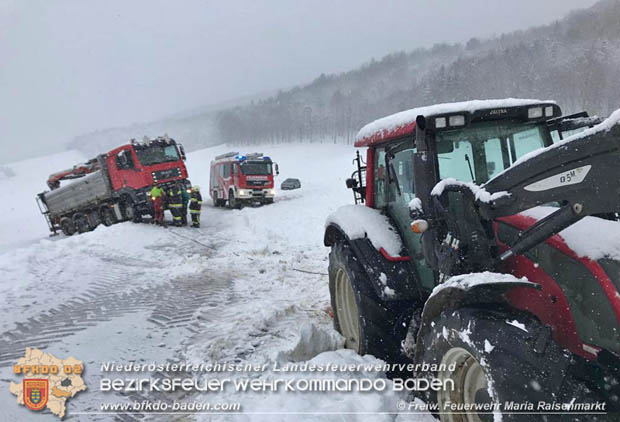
x: 479, y: 151
x: 256, y: 168
x: 157, y: 154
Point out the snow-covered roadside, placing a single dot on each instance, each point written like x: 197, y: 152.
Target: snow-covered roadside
x: 21, y: 223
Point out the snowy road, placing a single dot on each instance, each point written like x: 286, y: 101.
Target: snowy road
x: 249, y: 286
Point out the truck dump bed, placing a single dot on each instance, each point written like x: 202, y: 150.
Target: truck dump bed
x: 79, y: 194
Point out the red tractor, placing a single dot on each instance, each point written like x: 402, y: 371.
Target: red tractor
x: 242, y: 179
x: 477, y: 252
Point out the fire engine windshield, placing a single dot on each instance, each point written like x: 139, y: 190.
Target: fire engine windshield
x: 480, y: 151
x: 256, y: 168
x: 157, y: 154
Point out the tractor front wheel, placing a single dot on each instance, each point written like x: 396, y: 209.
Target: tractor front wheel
x: 368, y: 324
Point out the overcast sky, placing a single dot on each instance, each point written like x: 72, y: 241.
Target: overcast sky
x: 74, y: 66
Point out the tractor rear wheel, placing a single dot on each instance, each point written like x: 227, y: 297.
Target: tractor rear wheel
x: 489, y: 357
x: 368, y: 324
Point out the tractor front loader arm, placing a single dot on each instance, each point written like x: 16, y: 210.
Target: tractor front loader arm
x: 580, y: 173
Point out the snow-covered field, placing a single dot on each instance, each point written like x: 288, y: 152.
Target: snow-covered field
x: 249, y: 286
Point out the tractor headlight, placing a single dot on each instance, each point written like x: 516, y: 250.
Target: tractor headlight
x: 534, y: 112
x: 456, y: 120
x: 549, y: 111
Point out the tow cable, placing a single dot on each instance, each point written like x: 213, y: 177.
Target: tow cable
x: 193, y: 240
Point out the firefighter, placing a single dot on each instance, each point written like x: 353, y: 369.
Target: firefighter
x: 185, y: 198
x: 195, y: 203
x: 157, y: 196
x: 175, y: 203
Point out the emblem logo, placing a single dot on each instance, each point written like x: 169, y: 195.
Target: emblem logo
x: 36, y: 393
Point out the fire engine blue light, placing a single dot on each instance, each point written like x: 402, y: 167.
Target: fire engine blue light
x: 266, y: 158
x: 240, y: 157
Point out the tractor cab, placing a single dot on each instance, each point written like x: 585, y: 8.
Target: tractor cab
x: 410, y: 152
x: 458, y: 239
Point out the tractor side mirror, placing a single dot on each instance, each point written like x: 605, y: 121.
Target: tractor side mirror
x: 182, y: 152
x: 351, y: 183
x: 277, y: 169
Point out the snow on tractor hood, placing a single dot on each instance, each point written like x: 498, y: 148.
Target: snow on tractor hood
x: 468, y: 281
x: 395, y: 121
x: 592, y: 237
x: 359, y: 221
x: 480, y: 194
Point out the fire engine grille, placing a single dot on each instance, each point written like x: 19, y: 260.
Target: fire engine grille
x: 257, y: 182
x: 166, y: 174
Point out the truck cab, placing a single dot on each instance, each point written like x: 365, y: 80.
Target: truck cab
x: 134, y: 168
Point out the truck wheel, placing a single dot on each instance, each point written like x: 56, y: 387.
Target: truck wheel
x: 107, y: 217
x: 368, y: 324
x: 268, y: 201
x: 216, y: 202
x: 129, y: 210
x: 81, y: 223
x: 233, y: 203
x: 489, y: 360
x: 67, y: 226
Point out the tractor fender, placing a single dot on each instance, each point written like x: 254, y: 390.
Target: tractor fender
x: 390, y: 279
x: 452, y: 298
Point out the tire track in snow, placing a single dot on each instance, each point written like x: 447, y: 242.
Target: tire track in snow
x: 114, y: 292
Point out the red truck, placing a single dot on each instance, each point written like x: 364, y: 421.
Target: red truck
x: 113, y: 187
x: 242, y: 179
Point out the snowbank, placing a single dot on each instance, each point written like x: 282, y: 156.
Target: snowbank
x: 359, y: 221
x: 22, y: 224
x: 605, y: 243
x: 395, y: 121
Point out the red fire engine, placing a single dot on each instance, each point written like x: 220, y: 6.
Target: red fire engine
x: 242, y: 179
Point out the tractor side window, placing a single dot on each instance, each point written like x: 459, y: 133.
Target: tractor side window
x: 379, y: 178
x: 527, y: 141
x: 401, y: 176
x: 494, y: 156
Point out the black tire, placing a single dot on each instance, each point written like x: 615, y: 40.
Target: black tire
x: 268, y: 201
x: 216, y: 201
x: 129, y: 210
x: 67, y: 226
x: 108, y: 217
x: 233, y: 203
x: 483, y: 346
x: 379, y: 323
x: 81, y: 223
